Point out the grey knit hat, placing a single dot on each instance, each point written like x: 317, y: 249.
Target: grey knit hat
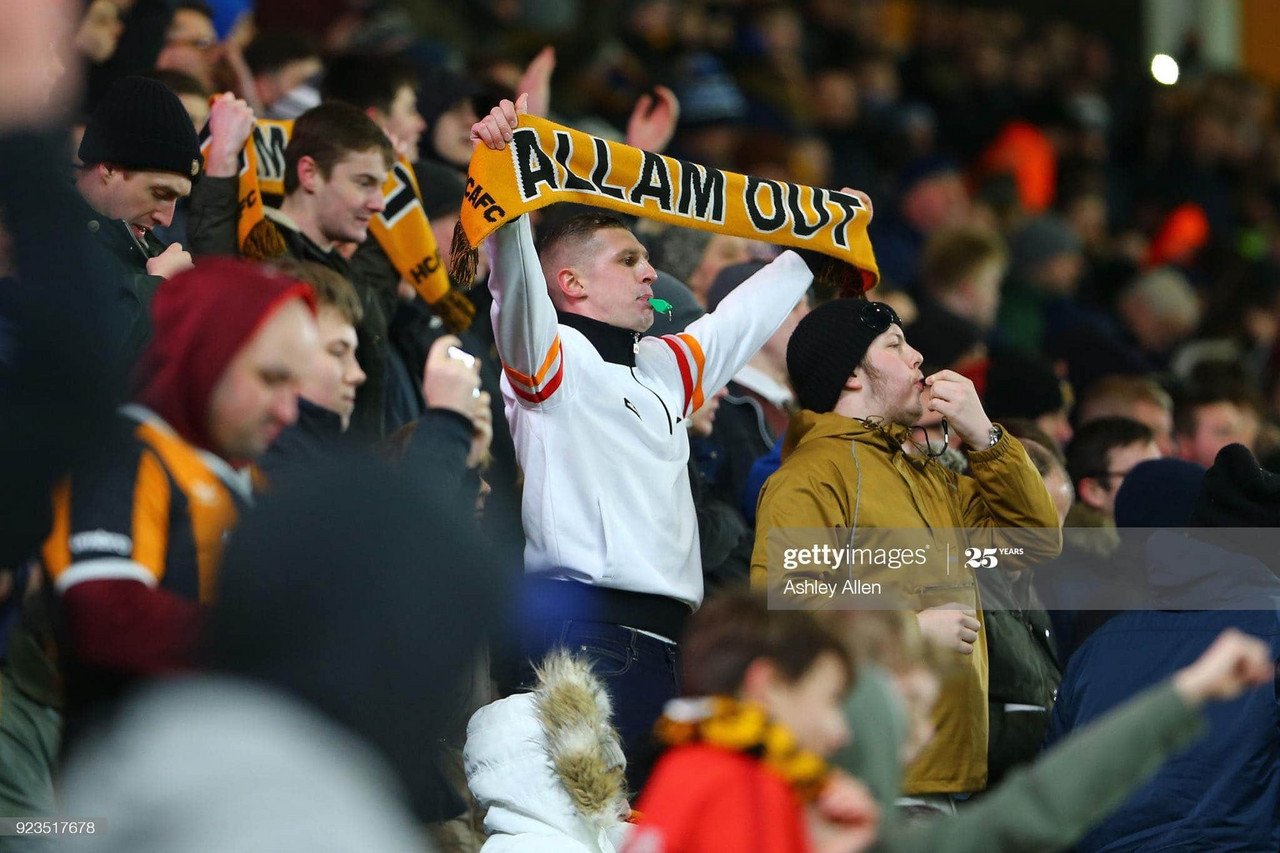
x: 1040, y: 240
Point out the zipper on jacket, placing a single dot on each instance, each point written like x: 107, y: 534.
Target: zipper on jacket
x: 761, y: 426
x: 938, y: 587
x: 670, y: 426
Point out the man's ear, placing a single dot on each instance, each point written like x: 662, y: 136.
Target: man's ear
x: 853, y: 383
x: 570, y: 283
x: 376, y: 115
x: 759, y: 680
x: 1091, y: 493
x: 309, y: 177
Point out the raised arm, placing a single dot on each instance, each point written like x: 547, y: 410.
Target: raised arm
x: 716, y: 346
x: 1081, y: 779
x: 524, y: 318
x: 748, y: 316
x: 215, y: 208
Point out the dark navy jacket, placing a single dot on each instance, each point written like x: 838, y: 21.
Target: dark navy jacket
x: 1223, y: 793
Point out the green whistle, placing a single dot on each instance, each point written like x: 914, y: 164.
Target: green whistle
x: 662, y: 306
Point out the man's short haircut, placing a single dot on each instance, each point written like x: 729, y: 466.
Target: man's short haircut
x: 331, y: 288
x: 1213, y: 382
x: 367, y: 81
x: 954, y: 254
x: 196, y: 6
x: 327, y: 134
x: 735, y: 628
x: 1087, y: 455
x: 575, y: 229
x: 1045, y: 460
x: 1114, y: 395
x: 1025, y: 429
x: 272, y: 50
x: 180, y: 83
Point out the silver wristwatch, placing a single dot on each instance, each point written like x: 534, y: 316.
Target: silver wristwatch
x: 994, y: 434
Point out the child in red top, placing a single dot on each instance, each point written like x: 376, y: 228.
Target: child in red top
x: 746, y: 769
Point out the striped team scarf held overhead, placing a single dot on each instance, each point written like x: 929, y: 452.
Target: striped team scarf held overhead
x: 546, y: 163
x: 402, y: 229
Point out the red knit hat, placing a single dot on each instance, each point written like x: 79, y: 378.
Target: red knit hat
x: 202, y: 318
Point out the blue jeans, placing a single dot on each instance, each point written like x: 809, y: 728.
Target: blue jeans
x: 639, y: 671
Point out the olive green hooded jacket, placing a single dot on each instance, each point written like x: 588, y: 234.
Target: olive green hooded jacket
x: 845, y: 475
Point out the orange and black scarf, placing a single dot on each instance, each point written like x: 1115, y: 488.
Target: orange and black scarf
x: 402, y: 229
x: 546, y: 163
x: 743, y: 727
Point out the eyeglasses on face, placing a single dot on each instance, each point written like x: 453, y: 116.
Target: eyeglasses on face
x: 193, y: 43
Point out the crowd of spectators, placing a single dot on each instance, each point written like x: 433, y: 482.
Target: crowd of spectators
x: 308, y: 543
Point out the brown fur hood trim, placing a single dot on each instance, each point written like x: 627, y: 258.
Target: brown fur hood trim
x: 574, y: 710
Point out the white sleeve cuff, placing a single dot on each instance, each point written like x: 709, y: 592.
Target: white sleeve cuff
x: 111, y: 568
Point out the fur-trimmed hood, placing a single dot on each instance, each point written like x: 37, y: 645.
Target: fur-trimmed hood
x: 548, y: 765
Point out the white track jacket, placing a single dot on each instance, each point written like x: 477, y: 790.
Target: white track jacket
x: 603, y: 443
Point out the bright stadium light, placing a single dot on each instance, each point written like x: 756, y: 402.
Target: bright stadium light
x: 1164, y: 68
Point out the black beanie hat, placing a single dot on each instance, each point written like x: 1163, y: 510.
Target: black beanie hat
x: 441, y: 91
x: 827, y: 346
x: 1237, y: 492
x: 1159, y: 493
x: 141, y: 124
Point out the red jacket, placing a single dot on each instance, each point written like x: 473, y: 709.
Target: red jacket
x: 707, y: 799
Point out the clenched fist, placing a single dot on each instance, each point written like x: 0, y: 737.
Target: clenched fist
x: 230, y: 125
x: 954, y: 397
x: 170, y: 262
x: 1234, y: 662
x: 953, y: 626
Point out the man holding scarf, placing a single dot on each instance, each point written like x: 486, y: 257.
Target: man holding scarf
x: 598, y: 415
x: 291, y: 200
